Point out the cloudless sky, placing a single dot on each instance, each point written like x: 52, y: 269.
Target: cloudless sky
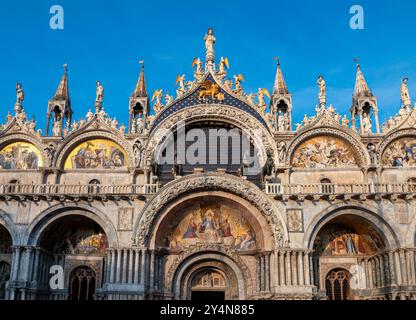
x: 104, y: 40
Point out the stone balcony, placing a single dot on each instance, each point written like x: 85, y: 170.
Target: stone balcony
x: 340, y: 191
x: 75, y: 192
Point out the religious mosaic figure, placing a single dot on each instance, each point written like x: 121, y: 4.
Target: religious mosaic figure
x: 401, y: 153
x: 20, y: 156
x: 213, y: 224
x: 338, y: 240
x: 324, y: 152
x: 96, y: 154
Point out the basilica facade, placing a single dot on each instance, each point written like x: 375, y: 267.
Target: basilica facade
x: 329, y: 213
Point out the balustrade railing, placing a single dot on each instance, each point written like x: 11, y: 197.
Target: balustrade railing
x: 337, y: 189
x: 77, y: 189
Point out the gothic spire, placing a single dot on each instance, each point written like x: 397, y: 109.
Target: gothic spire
x: 62, y: 92
x: 279, y: 83
x: 140, y: 90
x: 361, y: 88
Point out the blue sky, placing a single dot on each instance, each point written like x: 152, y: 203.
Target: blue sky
x: 104, y: 41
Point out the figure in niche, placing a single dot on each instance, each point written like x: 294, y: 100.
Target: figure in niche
x: 372, y: 152
x: 281, y: 121
x: 269, y: 167
x: 281, y: 148
x: 57, y: 129
x: 140, y: 125
x: 50, y: 153
x: 138, y: 153
x: 367, y: 127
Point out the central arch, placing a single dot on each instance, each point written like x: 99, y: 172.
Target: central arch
x: 147, y: 223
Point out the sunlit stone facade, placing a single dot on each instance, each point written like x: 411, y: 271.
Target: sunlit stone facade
x: 329, y: 215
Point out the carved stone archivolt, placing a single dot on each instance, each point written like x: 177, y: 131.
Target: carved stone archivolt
x: 212, y: 181
x: 221, y: 113
x: 357, y: 147
x: 64, y: 150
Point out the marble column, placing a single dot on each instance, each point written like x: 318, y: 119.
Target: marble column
x: 112, y: 265
x: 282, y: 278
x: 136, y: 266
x: 118, y: 267
x: 301, y: 273
x: 130, y: 277
x: 267, y: 271
x: 143, y: 266
x: 307, y: 269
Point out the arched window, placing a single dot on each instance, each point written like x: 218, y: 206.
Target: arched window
x: 338, y: 285
x: 4, y: 277
x: 327, y: 187
x: 412, y: 184
x: 82, y: 284
x: 94, y: 186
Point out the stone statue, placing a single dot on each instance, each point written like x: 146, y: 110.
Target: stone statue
x: 75, y: 126
x: 20, y: 94
x: 372, y: 152
x: 404, y: 90
x: 250, y: 99
x: 9, y: 117
x: 57, y: 129
x: 50, y: 153
x: 158, y: 95
x: 114, y: 123
x: 262, y: 103
x: 345, y: 121
x: 281, y: 148
x: 322, y: 90
x: 197, y: 63
x: 281, y: 122
x: 138, y: 153
x: 209, y: 45
x: 367, y: 127
x: 238, y: 88
x: 286, y: 121
x: 99, y: 96
x: 269, y: 167
x: 180, y: 80
x: 228, y: 85
x: 90, y: 115
x: 168, y: 99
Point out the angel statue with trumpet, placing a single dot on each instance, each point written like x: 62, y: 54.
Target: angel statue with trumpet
x: 158, y: 104
x: 238, y: 88
x: 262, y: 103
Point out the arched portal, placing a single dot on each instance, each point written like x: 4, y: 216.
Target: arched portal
x: 78, y: 244
x: 339, y: 246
